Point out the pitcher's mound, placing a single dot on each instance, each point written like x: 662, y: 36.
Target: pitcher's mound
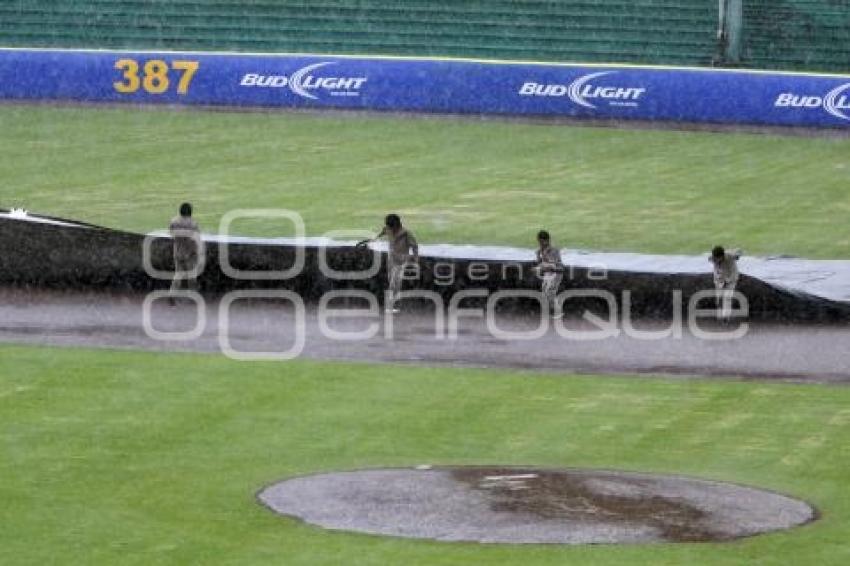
x: 528, y: 505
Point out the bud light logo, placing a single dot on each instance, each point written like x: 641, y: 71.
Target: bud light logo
x: 585, y: 91
x: 306, y: 82
x: 836, y: 102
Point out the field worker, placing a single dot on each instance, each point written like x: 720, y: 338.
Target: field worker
x: 187, y: 243
x: 551, y: 270
x: 725, y: 278
x: 403, y: 249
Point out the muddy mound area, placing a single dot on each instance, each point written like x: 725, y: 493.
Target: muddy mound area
x: 529, y: 505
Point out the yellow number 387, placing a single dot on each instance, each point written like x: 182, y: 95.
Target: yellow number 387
x: 154, y: 78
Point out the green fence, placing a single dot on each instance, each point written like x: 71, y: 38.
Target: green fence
x: 797, y: 34
x: 778, y: 34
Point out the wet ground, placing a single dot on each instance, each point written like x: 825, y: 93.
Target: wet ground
x: 493, y: 504
x: 271, y: 329
x: 796, y: 131
x: 530, y: 505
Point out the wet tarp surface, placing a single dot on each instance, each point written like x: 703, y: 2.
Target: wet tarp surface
x: 40, y: 250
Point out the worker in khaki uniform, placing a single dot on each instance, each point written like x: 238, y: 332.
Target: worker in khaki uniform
x: 725, y: 279
x: 551, y: 270
x: 403, y: 249
x: 187, y: 243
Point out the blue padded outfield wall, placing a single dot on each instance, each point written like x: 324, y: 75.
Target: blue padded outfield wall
x: 428, y: 85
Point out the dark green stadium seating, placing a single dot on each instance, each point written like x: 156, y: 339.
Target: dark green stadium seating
x: 678, y: 32
x: 648, y: 31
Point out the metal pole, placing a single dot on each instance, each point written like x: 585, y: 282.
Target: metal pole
x: 735, y: 27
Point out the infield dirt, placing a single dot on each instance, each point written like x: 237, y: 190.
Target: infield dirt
x: 798, y: 353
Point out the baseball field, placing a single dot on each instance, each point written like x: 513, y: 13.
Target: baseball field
x: 136, y: 457
x: 453, y: 181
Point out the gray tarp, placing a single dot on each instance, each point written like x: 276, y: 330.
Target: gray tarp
x: 824, y: 278
x: 39, y: 250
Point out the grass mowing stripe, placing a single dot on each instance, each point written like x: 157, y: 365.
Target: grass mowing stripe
x: 128, y: 457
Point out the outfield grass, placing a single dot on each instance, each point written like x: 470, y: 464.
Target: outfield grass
x: 459, y: 181
x: 136, y: 458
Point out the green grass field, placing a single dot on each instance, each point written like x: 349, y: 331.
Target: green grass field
x: 458, y: 181
x: 111, y: 457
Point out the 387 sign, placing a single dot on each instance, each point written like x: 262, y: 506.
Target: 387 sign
x: 154, y: 76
